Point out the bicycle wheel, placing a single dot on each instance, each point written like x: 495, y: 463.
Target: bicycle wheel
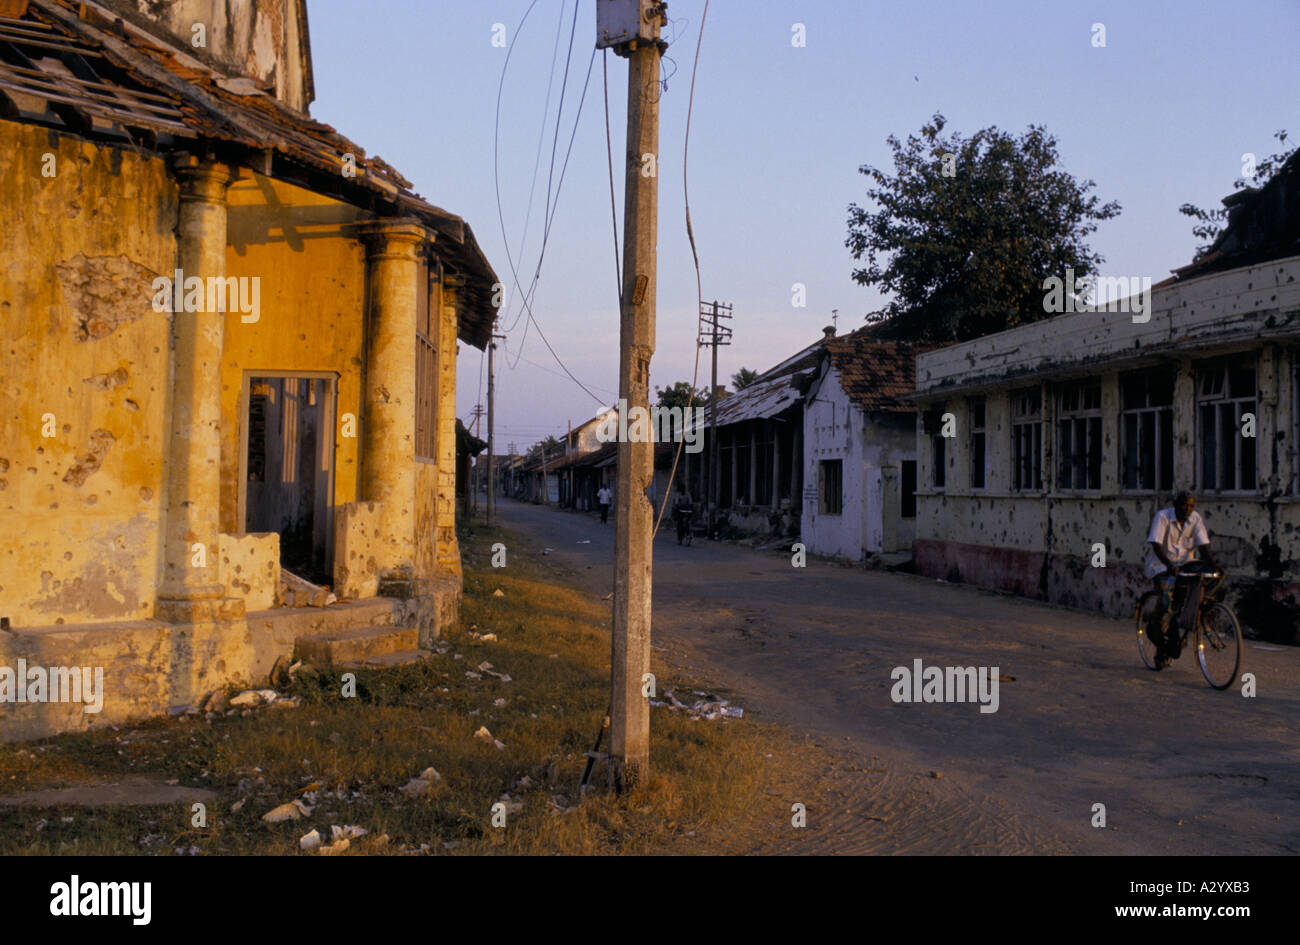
x: 1218, y: 645
x: 1144, y: 614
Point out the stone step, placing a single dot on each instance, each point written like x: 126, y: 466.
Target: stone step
x: 388, y: 660
x: 327, y: 650
x: 295, y: 591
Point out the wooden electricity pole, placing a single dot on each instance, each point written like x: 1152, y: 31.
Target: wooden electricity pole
x: 714, y: 333
x: 491, y: 471
x: 629, y: 754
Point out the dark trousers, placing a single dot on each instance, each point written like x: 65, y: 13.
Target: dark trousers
x: 604, y: 512
x: 1164, y: 584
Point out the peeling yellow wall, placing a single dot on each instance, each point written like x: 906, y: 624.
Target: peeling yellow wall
x: 80, y: 510
x: 312, y: 309
x: 426, y: 518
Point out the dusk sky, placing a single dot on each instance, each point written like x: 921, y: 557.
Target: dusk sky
x: 1159, y: 116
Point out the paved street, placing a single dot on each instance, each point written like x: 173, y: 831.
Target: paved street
x: 1180, y: 768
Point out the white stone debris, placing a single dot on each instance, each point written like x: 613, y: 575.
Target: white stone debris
x: 486, y: 668
x: 422, y: 784
x: 293, y: 810
x: 708, y: 709
x: 310, y: 841
x: 338, y: 833
x: 254, y: 697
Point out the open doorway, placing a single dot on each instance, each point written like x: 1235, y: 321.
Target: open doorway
x: 288, y: 467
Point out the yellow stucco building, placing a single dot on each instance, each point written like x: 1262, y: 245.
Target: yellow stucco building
x: 230, y: 350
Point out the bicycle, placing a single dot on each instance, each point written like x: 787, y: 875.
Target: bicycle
x: 1217, y: 632
x: 685, y: 529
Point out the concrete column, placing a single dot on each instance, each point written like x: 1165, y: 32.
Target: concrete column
x: 191, y: 581
x: 1185, y: 420
x: 1286, y: 419
x: 796, y: 470
x: 776, y: 465
x: 753, y: 464
x: 1110, y: 431
x: 735, y: 449
x: 1266, y: 444
x: 447, y: 548
x: 388, y: 433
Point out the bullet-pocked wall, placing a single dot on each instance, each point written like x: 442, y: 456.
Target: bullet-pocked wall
x: 1089, y: 429
x: 83, y: 398
x: 310, y: 264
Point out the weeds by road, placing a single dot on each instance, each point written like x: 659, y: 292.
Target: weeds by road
x: 714, y: 785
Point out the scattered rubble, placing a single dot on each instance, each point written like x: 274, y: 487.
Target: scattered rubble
x: 708, y: 708
x: 293, y: 810
x: 254, y: 697
x: 421, y: 785
x: 484, y: 735
x: 486, y: 668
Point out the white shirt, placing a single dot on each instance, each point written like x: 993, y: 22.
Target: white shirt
x: 603, y: 496
x: 1178, y: 541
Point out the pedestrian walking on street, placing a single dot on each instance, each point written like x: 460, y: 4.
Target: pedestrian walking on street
x: 604, y: 497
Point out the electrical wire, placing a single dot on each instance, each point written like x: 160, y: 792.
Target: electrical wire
x: 699, y: 285
x: 613, y: 204
x: 551, y: 210
x: 541, y: 132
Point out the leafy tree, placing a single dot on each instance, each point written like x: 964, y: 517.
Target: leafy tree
x: 743, y: 378
x: 680, y: 395
x: 550, y: 447
x: 1211, y: 223
x: 967, y: 229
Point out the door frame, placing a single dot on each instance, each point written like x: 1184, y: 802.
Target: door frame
x: 328, y: 422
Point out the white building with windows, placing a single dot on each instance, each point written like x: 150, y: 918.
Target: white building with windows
x: 859, y: 435
x: 1067, y: 435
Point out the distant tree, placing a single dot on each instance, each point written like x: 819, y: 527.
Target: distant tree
x: 743, y: 378
x: 1210, y: 223
x: 966, y: 230
x: 679, y: 395
x: 550, y: 447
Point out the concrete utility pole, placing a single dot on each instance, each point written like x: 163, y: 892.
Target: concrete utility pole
x: 491, y: 484
x: 632, y: 28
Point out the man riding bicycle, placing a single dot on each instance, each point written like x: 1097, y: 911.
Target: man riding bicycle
x: 1176, y: 535
x: 683, y: 511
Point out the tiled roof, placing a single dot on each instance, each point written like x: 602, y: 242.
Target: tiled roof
x: 113, y: 82
x: 876, y: 375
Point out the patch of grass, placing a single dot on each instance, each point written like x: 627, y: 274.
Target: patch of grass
x: 709, y: 785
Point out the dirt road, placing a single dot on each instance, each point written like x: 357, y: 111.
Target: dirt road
x: 1181, y: 769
